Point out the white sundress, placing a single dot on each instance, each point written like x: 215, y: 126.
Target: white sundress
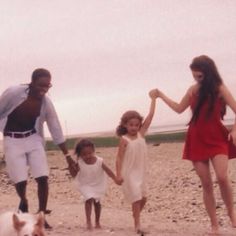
x: 133, y: 169
x: 91, y: 179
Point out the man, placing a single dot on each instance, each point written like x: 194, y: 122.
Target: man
x: 23, y: 110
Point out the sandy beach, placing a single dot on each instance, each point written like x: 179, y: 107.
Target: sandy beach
x: 174, y: 204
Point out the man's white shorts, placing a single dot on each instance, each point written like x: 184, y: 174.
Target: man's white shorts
x: 23, y: 154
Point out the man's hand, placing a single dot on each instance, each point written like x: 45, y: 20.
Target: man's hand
x: 72, y: 166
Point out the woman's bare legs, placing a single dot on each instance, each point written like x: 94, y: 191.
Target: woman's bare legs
x: 203, y: 171
x: 220, y: 165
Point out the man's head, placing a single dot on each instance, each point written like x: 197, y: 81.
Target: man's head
x: 40, y: 82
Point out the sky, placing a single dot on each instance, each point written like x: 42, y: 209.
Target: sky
x: 105, y: 55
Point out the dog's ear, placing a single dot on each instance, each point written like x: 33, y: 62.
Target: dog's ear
x: 17, y: 224
x: 40, y: 220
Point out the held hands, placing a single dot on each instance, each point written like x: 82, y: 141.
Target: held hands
x: 119, y: 180
x: 154, y: 93
x: 72, y: 166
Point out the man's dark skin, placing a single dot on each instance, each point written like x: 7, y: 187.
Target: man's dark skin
x: 22, y: 119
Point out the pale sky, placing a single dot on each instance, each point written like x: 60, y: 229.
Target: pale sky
x: 105, y: 55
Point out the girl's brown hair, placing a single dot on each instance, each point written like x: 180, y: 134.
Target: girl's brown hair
x: 82, y: 144
x: 121, y: 130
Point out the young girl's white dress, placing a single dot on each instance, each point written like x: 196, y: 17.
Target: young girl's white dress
x: 133, y: 169
x: 91, y: 179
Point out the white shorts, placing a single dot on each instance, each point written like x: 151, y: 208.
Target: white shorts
x: 22, y: 154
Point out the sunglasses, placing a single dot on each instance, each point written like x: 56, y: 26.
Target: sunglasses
x: 46, y: 86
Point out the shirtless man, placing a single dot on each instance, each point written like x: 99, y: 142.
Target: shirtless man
x: 23, y: 110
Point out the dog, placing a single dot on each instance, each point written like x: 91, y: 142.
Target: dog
x: 21, y: 224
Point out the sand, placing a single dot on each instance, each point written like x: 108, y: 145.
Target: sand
x: 174, y: 204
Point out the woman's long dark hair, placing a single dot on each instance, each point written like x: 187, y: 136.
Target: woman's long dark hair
x: 209, y: 86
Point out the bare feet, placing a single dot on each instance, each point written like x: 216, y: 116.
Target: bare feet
x: 233, y: 220
x: 214, y: 231
x: 89, y: 226
x: 141, y: 232
x: 98, y: 226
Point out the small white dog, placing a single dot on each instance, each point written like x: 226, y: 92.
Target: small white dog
x: 21, y: 224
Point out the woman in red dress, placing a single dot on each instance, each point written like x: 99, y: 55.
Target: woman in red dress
x: 207, y: 140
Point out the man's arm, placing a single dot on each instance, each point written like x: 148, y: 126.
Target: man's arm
x: 7, y: 99
x: 53, y: 123
x: 72, y: 166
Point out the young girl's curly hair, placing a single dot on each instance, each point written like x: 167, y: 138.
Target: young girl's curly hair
x: 128, y: 115
x: 82, y: 144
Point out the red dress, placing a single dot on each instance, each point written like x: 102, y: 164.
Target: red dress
x: 207, y: 137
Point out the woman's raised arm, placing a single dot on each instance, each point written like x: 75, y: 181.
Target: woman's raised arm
x: 177, y: 107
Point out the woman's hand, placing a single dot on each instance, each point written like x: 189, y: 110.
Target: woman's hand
x: 232, y: 136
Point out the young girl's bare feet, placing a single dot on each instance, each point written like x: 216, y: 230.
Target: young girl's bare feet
x: 98, y: 226
x: 214, y: 231
x: 233, y: 219
x: 141, y: 232
x: 89, y: 226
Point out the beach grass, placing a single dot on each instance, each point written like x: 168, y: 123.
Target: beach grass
x: 112, y: 141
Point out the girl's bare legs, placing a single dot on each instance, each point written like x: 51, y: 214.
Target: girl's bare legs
x: 137, y: 207
x: 97, y: 209
x: 143, y: 202
x: 220, y: 164
x: 88, y: 211
x: 203, y: 171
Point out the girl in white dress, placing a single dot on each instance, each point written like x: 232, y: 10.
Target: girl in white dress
x: 91, y: 179
x: 131, y: 159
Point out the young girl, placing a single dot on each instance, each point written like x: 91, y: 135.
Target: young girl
x: 131, y: 159
x: 207, y: 140
x: 91, y: 179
